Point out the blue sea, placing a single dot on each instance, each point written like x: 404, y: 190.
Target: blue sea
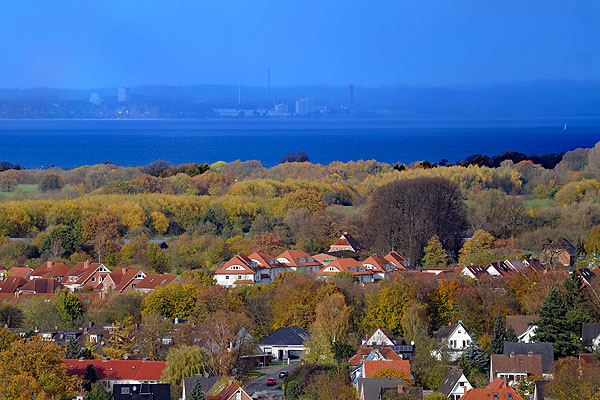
x: 72, y: 143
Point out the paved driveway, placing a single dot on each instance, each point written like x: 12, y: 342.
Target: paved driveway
x: 259, y: 386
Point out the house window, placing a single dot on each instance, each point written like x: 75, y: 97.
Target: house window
x: 464, y: 343
x: 125, y: 390
x: 93, y: 279
x: 226, y: 276
x: 239, y: 277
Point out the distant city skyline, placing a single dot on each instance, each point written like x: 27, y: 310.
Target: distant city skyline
x: 111, y: 43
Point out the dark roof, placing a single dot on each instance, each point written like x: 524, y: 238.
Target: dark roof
x: 540, y: 388
x: 371, y: 387
x: 144, y: 391
x: 443, y: 332
x: 287, y: 335
x: 589, y: 332
x: 206, y: 382
x: 532, y: 363
x: 520, y: 323
x: 546, y: 350
x: 450, y: 381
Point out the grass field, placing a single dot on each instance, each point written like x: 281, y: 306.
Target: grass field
x: 538, y: 203
x: 19, y: 191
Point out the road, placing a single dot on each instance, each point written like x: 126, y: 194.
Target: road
x: 259, y: 386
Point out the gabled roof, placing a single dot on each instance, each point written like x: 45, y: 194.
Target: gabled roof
x: 396, y: 259
x: 20, y: 271
x: 586, y: 274
x: 381, y: 264
x: 501, y: 268
x: 265, y: 260
x: 118, y: 369
x: 364, y: 351
x: 152, y: 281
x: 450, y: 381
x: 531, y: 363
x: 345, y: 265
x: 520, y: 323
x: 505, y: 393
x: 11, y: 284
x: 81, y: 272
x: 446, y: 331
x: 229, y: 392
x: 50, y: 270
x: 346, y: 240
x: 297, y: 258
x: 517, y: 265
x: 371, y: 367
x: 287, y: 336
x: 477, y: 270
x: 239, y: 264
x: 563, y: 244
x: 546, y: 350
x: 589, y: 332
x: 324, y: 257
x: 206, y: 382
x: 39, y: 286
x: 371, y: 387
x: 122, y: 277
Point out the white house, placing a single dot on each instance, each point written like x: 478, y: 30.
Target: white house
x: 455, y: 384
x: 456, y: 338
x: 239, y: 270
x: 285, y: 343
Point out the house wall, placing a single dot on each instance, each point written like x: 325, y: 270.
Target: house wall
x: 459, y: 339
x: 228, y: 280
x: 461, y: 387
x: 378, y: 339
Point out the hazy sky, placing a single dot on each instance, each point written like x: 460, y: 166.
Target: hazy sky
x: 107, y: 43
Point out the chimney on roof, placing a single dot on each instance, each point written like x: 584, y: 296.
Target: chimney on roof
x: 400, y: 389
x: 345, y: 233
x: 5, y: 326
x: 530, y: 354
x: 512, y: 354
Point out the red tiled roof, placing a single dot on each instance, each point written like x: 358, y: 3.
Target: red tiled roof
x: 370, y: 367
x: 322, y: 257
x: 381, y: 264
x: 345, y: 265
x: 41, y: 286
x: 20, y: 271
x: 491, y: 394
x: 346, y: 240
x: 122, y: 277
x: 396, y: 259
x: 50, y: 270
x: 265, y: 260
x: 11, y: 284
x: 239, y: 260
x: 118, y: 369
x: 152, y: 281
x: 80, y: 273
x: 229, y: 392
x: 531, y: 363
x: 295, y: 256
x: 364, y: 351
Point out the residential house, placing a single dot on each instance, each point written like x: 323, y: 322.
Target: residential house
x: 400, y: 262
x: 121, y: 280
x: 22, y: 272
x: 497, y: 390
x: 383, y: 339
x: 590, y: 336
x: 324, y: 258
x: 559, y: 252
x: 50, y: 270
x: 345, y: 243
x: 40, y: 286
x: 142, y: 391
x: 455, y: 384
x: 454, y: 338
x: 382, y: 267
x: 348, y: 265
x: 545, y: 350
x: 239, y: 270
x: 84, y: 274
x: 206, y: 382
x: 370, y: 354
x: 153, y: 281
x: 523, y: 325
x: 512, y: 367
x: 11, y: 284
x: 587, y: 275
x: 113, y: 372
x: 375, y: 388
x: 370, y: 368
x: 475, y: 272
x: 271, y: 267
x: 285, y: 343
x: 298, y: 260
x: 231, y: 392
x: 500, y: 270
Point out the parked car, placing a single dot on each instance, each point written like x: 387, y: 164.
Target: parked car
x: 271, y: 382
x: 283, y: 374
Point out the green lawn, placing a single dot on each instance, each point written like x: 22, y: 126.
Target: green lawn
x: 538, y: 203
x: 20, y: 190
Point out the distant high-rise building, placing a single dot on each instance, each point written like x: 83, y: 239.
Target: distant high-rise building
x: 280, y: 110
x: 350, y: 95
x: 95, y: 99
x: 122, y: 94
x: 303, y: 106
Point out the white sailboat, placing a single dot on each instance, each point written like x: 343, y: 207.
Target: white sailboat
x: 565, y: 127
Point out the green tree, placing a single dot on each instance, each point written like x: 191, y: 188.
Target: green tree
x: 185, y: 361
x: 511, y: 335
x: 11, y: 315
x: 498, y: 336
x: 198, y: 392
x: 474, y: 360
x: 171, y: 301
x: 435, y: 256
x: 72, y: 350
x: 98, y: 393
x: 553, y: 325
x: 51, y: 182
x: 69, y: 306
x: 478, y: 249
x: 89, y: 378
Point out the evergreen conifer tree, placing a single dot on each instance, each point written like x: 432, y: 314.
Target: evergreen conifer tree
x: 72, y: 350
x: 511, y: 335
x: 553, y: 325
x: 89, y: 378
x: 498, y: 336
x: 197, y: 392
x: 576, y: 303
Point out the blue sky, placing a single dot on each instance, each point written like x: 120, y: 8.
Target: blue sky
x: 107, y: 43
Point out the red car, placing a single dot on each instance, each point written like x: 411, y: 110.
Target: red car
x: 271, y: 382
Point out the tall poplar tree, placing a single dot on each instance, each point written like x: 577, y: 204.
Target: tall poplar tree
x: 498, y: 336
